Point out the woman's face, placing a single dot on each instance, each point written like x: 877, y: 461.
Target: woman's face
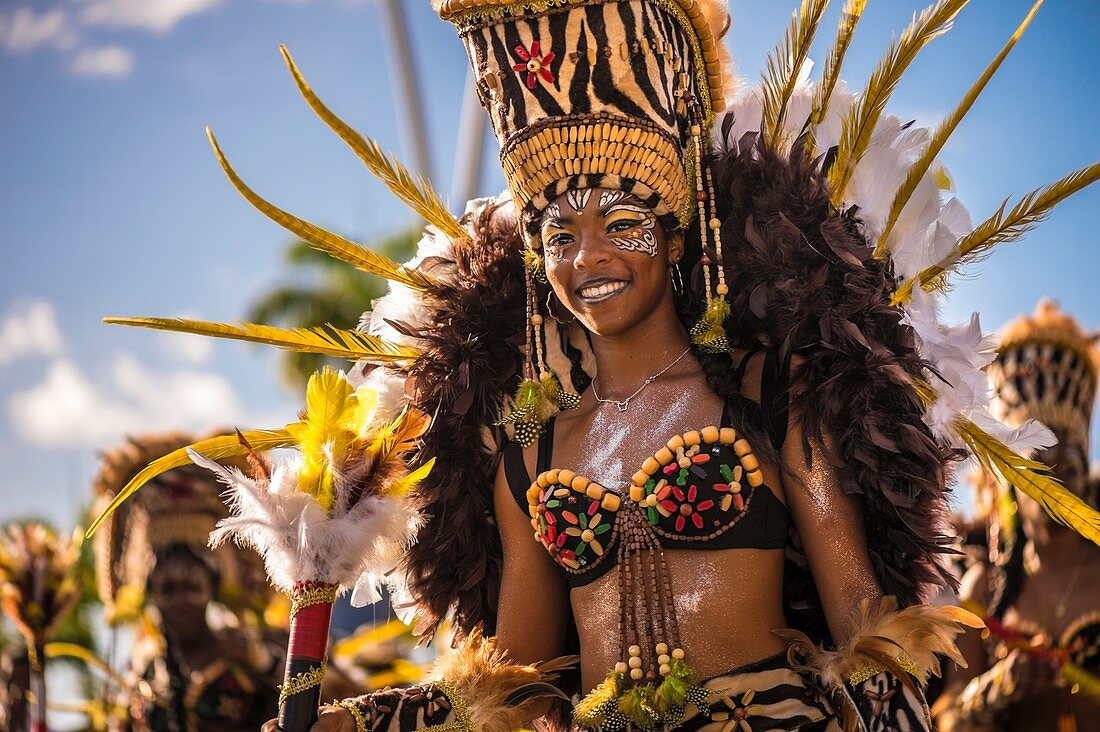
x: 180, y: 588
x: 607, y: 258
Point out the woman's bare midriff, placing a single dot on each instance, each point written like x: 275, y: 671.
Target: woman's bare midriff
x: 727, y: 603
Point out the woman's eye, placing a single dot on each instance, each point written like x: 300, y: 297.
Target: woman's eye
x: 622, y: 225
x: 559, y: 240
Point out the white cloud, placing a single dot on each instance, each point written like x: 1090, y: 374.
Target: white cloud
x: 108, y: 61
x: 24, y: 30
x: 153, y: 15
x: 68, y: 409
x: 191, y: 349
x: 30, y: 331
x: 187, y: 347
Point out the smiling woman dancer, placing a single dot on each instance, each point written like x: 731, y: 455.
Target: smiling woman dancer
x: 733, y: 402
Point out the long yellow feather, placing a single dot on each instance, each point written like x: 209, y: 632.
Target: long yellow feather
x: 783, y: 65
x: 846, y: 30
x: 215, y: 448
x: 61, y: 649
x: 860, y: 122
x: 326, y: 431
x: 326, y: 340
x: 416, y: 192
x: 918, y: 169
x: 332, y: 244
x: 1023, y: 473
x: 1000, y: 228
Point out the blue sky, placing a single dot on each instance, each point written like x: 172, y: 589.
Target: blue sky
x: 112, y: 204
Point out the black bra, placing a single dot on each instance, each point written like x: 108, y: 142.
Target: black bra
x: 702, y: 490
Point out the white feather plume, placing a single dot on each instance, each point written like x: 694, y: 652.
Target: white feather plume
x: 299, y: 541
x: 927, y: 230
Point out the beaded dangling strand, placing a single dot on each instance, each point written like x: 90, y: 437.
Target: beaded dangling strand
x: 540, y: 389
x: 709, y: 333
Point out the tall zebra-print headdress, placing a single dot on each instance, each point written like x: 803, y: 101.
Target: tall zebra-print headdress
x: 1046, y: 369
x: 597, y: 93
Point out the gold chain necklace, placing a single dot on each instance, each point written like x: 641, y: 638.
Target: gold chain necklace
x: 621, y: 405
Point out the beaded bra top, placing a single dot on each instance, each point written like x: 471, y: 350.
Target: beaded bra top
x: 702, y: 490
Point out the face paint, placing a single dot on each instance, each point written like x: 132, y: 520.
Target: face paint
x: 639, y: 236
x: 578, y: 198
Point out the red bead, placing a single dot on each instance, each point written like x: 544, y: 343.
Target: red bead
x: 705, y: 260
x: 700, y: 196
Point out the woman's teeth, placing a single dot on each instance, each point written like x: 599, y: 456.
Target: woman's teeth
x: 595, y: 293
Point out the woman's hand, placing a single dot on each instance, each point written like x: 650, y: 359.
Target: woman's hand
x: 332, y: 719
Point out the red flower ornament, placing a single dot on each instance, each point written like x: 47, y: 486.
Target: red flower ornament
x: 535, y: 65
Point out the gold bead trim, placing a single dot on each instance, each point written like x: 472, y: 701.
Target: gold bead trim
x: 465, y: 721
x: 594, y: 145
x: 866, y: 671
x: 352, y: 708
x: 301, y: 682
x: 300, y: 599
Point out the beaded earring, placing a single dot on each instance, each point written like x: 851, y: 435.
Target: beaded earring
x: 709, y: 333
x: 540, y: 391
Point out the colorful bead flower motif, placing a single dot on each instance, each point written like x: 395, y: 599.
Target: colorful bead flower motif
x: 573, y: 517
x: 697, y: 483
x: 534, y: 64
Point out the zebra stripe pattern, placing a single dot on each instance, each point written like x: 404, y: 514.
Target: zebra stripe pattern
x: 601, y: 93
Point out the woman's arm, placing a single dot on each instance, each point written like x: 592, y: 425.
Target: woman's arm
x: 533, y: 614
x: 831, y: 528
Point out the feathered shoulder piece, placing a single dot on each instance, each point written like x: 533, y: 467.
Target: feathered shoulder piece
x: 840, y: 233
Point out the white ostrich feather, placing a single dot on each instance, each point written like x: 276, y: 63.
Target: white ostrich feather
x: 926, y: 231
x: 299, y: 541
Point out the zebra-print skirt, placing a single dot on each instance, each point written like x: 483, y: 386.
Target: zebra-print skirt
x: 763, y: 695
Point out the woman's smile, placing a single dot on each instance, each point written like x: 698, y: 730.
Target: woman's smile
x: 600, y: 289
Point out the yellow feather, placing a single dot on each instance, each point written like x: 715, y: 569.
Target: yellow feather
x: 1000, y: 228
x: 943, y: 132
x: 366, y: 405
x: 407, y: 482
x: 783, y: 65
x: 1023, y: 473
x: 325, y: 241
x: 860, y: 122
x: 61, y: 649
x: 327, y: 339
x: 215, y: 448
x: 414, y: 191
x: 323, y: 436
x: 350, y: 647
x: 849, y: 19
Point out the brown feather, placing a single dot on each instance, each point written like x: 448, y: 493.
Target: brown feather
x: 484, y: 677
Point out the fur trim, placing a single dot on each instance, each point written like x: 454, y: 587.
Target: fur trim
x: 472, y: 355
x: 485, y: 680
x: 900, y: 641
x: 802, y: 279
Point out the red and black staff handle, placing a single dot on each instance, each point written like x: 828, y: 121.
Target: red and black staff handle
x: 307, y: 655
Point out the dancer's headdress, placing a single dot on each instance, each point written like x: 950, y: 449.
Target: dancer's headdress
x: 1046, y: 369
x: 182, y: 512
x: 613, y: 94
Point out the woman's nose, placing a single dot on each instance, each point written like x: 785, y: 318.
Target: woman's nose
x: 592, y: 250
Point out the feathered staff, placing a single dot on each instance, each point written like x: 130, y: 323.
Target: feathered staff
x: 37, y: 587
x: 329, y: 518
